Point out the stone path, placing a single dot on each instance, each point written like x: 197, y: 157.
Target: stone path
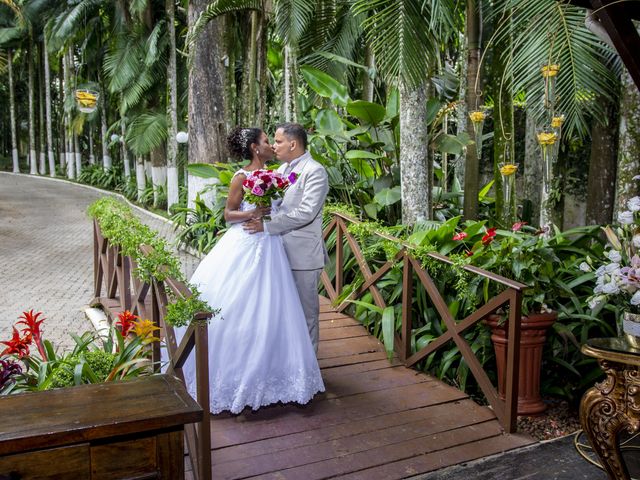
x: 46, y: 253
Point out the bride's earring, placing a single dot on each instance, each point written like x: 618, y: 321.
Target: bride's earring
x: 257, y: 151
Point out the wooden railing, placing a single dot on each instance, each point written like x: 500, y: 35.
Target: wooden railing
x: 505, y: 410
x: 116, y: 290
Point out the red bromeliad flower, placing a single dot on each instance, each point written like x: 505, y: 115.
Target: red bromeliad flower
x: 32, y: 330
x: 17, y: 346
x: 489, y: 236
x: 517, y: 226
x: 126, y: 321
x: 460, y: 236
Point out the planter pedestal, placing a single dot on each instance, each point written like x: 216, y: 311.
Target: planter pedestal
x: 532, y: 339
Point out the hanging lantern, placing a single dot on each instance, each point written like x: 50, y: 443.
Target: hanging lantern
x: 477, y: 118
x: 87, y: 100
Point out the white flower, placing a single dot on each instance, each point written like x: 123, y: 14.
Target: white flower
x: 625, y: 218
x: 595, y: 301
x: 614, y: 256
x: 584, y: 266
x: 635, y: 300
x: 600, y: 271
x: 612, y: 268
x: 610, y: 288
x: 634, y: 204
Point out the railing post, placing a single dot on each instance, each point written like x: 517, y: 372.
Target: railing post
x: 339, y: 256
x: 513, y: 362
x: 407, y: 296
x: 202, y: 375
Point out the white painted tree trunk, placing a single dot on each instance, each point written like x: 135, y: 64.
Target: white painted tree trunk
x: 33, y: 159
x: 172, y: 111
x: 92, y: 157
x: 69, y: 154
x: 47, y: 99
x: 78, y: 155
x: 125, y: 152
x: 140, y: 177
x: 12, y: 114
x: 158, y: 178
x: 415, y: 169
x: 629, y: 145
x: 71, y: 163
x: 106, y: 158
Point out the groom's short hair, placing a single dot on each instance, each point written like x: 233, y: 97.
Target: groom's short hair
x: 295, y: 131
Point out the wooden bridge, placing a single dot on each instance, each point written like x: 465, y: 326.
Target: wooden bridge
x: 377, y: 419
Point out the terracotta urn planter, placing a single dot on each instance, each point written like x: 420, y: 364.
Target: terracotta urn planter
x: 532, y: 338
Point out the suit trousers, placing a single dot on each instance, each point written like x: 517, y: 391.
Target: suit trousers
x: 307, y: 285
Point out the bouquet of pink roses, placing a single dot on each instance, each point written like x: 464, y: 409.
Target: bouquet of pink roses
x: 262, y: 186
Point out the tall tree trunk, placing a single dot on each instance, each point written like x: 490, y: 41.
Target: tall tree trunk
x: 602, y: 166
x: 471, y: 162
x: 261, y: 73
x: 248, y: 105
x: 78, y: 153
x: 92, y: 157
x: 123, y: 146
x: 106, y: 158
x: 532, y: 172
x: 416, y: 172
x: 70, y: 155
x: 629, y: 144
x: 47, y: 95
x: 290, y: 83
x: 207, y: 132
x: 172, y: 112
x: 368, y: 87
x: 158, y: 172
x: 141, y: 181
x: 12, y: 115
x: 62, y: 94
x: 33, y: 158
x: 41, y: 124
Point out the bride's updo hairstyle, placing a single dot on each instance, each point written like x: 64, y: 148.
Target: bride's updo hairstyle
x: 239, y: 142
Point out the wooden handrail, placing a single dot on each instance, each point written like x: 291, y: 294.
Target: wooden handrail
x: 507, y: 282
x: 112, y: 275
x: 505, y: 410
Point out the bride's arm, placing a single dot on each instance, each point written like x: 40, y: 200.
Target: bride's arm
x: 231, y: 212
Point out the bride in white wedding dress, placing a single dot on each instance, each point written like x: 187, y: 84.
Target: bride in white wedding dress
x: 260, y: 351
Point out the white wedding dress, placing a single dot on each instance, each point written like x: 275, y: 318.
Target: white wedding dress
x: 259, y: 347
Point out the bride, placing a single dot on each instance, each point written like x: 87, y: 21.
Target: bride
x: 260, y: 351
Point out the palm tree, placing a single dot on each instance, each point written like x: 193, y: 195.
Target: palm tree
x: 12, y: 114
x: 405, y: 37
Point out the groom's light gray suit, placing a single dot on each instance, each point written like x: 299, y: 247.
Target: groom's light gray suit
x: 299, y: 221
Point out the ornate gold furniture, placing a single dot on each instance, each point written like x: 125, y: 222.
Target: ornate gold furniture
x: 612, y: 406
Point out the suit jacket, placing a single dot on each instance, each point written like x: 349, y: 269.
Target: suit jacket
x: 299, y: 219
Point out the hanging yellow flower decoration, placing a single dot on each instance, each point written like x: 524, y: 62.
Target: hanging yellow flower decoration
x: 477, y: 116
x: 547, y: 138
x: 550, y: 70
x: 556, y: 122
x: 86, y: 99
x: 508, y: 169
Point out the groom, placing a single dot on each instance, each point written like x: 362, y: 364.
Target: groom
x: 299, y: 219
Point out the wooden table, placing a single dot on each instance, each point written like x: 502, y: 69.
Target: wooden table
x: 117, y: 430
x: 612, y: 406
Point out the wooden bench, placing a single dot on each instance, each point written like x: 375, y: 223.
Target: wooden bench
x: 117, y: 430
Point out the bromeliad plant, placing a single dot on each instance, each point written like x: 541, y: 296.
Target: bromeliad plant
x: 122, y: 354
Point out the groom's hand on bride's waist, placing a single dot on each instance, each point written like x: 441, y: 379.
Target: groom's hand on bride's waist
x: 254, y: 225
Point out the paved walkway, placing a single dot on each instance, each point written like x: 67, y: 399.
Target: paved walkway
x: 46, y: 253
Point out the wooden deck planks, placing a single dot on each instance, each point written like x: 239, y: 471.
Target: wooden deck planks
x: 376, y: 419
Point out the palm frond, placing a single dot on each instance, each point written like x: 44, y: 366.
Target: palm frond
x: 292, y: 18
x: 66, y: 24
x: 124, y: 62
x: 156, y: 43
x: 552, y: 32
x: 11, y: 35
x: 15, y: 8
x: 147, y: 132
x: 3, y: 62
x: 398, y: 33
x: 137, y: 7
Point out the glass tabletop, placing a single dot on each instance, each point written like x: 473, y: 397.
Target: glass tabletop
x: 613, y: 344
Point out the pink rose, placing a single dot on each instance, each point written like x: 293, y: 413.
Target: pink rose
x: 257, y: 191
